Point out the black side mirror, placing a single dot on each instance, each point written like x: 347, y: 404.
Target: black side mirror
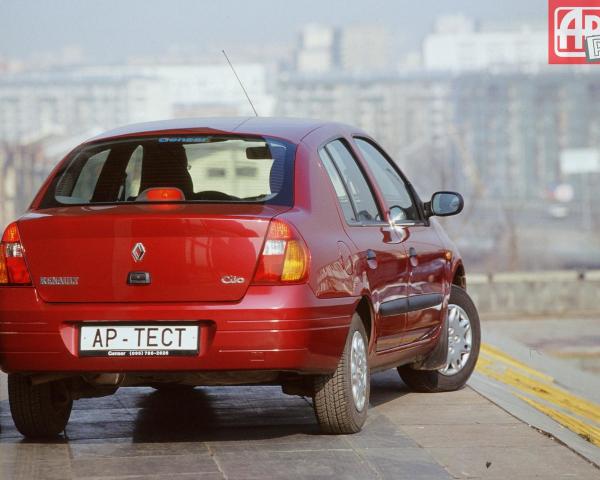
x: 444, y: 204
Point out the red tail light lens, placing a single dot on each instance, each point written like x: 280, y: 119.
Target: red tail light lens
x: 13, y: 269
x: 284, y: 258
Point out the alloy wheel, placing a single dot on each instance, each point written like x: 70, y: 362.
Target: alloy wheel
x: 460, y: 340
x: 358, y: 370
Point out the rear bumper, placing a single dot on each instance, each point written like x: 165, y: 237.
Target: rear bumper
x: 283, y: 328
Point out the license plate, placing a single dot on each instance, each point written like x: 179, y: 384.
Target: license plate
x: 138, y: 340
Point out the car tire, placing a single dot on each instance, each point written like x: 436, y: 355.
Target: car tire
x: 450, y: 379
x: 339, y: 408
x: 39, y: 411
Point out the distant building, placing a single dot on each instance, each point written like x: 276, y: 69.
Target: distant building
x: 25, y: 166
x: 458, y: 45
x: 69, y: 101
x: 499, y: 134
x: 317, y: 49
x: 191, y: 88
x: 357, y: 49
x: 20, y: 175
x: 365, y: 49
x: 408, y: 115
x: 514, y: 127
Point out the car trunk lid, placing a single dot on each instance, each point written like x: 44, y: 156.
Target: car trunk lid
x: 191, y: 252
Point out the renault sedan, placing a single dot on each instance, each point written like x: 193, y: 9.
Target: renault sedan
x: 231, y: 251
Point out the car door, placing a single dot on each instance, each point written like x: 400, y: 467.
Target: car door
x: 427, y: 260
x: 381, y: 249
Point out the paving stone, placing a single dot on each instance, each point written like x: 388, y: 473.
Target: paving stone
x: 102, y: 415
x: 480, y: 435
x: 99, y: 430
x: 447, y: 415
x: 282, y: 440
x: 34, y: 471
x: 411, y: 463
x: 89, y: 467
x: 509, y: 462
x: 388, y: 387
x: 127, y: 449
x: 300, y: 464
x: 3, y: 388
x: 34, y: 452
x: 379, y: 432
x: 258, y: 432
x: 176, y: 476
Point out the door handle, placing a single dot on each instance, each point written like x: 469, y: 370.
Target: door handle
x: 371, y: 259
x: 413, y: 257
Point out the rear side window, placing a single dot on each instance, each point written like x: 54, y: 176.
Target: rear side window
x: 85, y: 183
x: 391, y: 184
x: 338, y: 185
x: 343, y: 166
x: 214, y: 169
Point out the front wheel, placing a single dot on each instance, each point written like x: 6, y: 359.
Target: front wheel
x: 341, y: 400
x: 464, y: 338
x: 39, y: 411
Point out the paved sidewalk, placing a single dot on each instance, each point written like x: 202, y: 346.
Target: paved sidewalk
x: 575, y: 341
x: 257, y: 432
x: 540, y: 390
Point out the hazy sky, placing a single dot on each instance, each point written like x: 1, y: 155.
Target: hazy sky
x: 112, y: 30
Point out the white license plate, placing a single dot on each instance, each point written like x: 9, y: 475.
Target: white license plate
x: 138, y: 340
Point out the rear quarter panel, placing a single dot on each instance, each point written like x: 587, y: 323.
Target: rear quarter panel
x: 315, y: 216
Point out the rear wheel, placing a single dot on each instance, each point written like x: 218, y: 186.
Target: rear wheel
x: 38, y: 410
x: 464, y: 337
x: 341, y: 400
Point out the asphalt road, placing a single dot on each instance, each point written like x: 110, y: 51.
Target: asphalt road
x: 258, y: 432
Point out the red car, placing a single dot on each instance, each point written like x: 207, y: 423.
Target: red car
x: 230, y: 251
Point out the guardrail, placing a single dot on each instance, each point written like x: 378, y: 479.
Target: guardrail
x: 563, y: 292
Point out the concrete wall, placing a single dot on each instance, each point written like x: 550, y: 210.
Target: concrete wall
x: 536, y: 293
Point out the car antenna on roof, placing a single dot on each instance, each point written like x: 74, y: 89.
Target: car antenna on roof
x: 240, y: 81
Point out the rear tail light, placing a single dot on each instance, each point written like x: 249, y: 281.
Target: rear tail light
x: 13, y: 269
x: 284, y: 258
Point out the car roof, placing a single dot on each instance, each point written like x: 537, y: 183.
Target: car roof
x: 292, y: 129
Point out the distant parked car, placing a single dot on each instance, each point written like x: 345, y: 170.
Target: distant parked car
x: 231, y: 251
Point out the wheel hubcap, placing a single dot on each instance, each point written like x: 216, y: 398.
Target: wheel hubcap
x: 460, y: 339
x: 358, y: 370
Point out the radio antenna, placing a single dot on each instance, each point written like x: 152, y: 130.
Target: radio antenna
x: 240, y: 82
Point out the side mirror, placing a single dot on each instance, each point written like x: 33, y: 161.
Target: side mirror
x: 444, y: 204
x: 397, y: 214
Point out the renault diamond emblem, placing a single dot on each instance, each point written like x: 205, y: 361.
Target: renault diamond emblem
x: 138, y: 252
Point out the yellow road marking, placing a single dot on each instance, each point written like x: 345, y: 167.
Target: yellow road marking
x: 499, y: 355
x: 550, y: 393
x: 483, y: 362
x: 532, y: 386
x: 590, y: 433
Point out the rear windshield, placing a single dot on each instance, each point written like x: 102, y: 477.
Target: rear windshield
x: 212, y: 169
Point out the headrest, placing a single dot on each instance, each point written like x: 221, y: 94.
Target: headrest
x: 160, y: 169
